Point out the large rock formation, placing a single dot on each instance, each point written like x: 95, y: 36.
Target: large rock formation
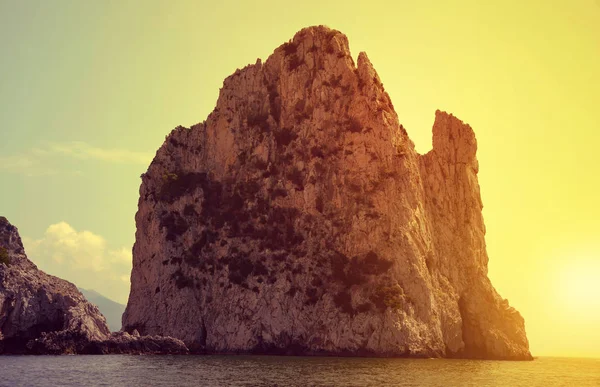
x: 298, y: 218
x: 40, y: 313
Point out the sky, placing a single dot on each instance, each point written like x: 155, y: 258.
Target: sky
x: 89, y: 90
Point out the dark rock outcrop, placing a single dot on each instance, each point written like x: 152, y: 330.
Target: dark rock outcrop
x: 43, y: 314
x: 298, y: 218
x: 68, y: 342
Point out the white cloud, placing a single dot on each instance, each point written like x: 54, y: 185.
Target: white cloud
x: 27, y: 164
x: 81, y: 150
x: 36, y: 161
x: 83, y: 258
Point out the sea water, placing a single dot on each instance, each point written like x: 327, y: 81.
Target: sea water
x: 127, y: 370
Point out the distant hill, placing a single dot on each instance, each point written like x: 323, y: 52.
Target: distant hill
x: 110, y: 309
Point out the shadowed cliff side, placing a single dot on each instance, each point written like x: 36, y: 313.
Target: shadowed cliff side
x: 488, y: 325
x: 299, y: 219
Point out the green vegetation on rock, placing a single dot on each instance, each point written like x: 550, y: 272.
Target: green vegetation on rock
x: 4, y: 256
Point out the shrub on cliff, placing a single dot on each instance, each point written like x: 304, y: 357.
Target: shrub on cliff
x: 285, y: 136
x: 295, y: 62
x: 174, y: 224
x: 290, y: 48
x: 354, y: 125
x: 4, y: 256
x: 388, y: 297
x: 258, y: 119
x: 343, y: 300
x: 176, y: 185
x: 181, y: 280
x: 296, y: 177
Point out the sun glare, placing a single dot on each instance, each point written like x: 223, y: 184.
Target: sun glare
x: 580, y: 287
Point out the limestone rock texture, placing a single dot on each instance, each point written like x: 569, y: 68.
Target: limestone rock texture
x: 42, y: 314
x: 299, y: 219
x: 33, y: 302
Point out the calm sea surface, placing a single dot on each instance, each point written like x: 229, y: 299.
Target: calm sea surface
x: 118, y: 370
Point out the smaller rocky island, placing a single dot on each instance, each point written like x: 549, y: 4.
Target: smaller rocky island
x: 43, y: 314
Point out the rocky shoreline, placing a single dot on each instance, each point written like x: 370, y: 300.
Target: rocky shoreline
x: 63, y: 343
x: 42, y: 314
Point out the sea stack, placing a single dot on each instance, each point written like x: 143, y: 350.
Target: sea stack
x: 299, y: 219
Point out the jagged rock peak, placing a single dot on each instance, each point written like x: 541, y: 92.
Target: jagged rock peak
x: 454, y: 140
x: 299, y: 219
x: 9, y: 237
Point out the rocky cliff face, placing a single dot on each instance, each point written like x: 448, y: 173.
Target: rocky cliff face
x: 43, y: 314
x: 298, y: 218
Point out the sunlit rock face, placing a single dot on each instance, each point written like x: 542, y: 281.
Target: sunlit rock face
x: 33, y: 303
x: 299, y: 219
